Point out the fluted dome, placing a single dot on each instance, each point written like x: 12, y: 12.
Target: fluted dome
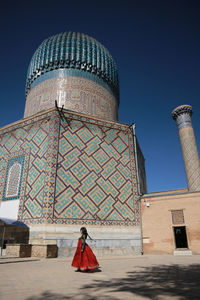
x: 71, y: 50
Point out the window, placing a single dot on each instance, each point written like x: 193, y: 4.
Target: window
x: 13, y: 181
x: 177, y: 217
x: 13, y: 178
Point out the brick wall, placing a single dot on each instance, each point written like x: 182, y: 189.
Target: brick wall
x: 157, y: 222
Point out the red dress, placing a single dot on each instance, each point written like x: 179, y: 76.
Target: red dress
x: 84, y: 260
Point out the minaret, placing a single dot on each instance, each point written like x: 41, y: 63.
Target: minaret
x: 182, y: 116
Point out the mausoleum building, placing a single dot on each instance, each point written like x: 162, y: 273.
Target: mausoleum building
x: 69, y: 162
x: 73, y: 164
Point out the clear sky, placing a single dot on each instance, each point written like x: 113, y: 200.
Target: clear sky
x: 156, y: 45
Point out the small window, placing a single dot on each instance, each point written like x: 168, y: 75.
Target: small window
x: 177, y: 217
x: 13, y: 181
x: 13, y: 178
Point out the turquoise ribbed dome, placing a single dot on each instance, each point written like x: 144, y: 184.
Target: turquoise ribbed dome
x: 72, y: 50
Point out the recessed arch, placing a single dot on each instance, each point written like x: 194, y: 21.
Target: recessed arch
x: 13, y: 180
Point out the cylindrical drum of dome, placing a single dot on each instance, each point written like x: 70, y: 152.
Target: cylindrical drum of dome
x: 78, y: 72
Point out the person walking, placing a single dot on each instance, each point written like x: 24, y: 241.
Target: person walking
x: 84, y: 259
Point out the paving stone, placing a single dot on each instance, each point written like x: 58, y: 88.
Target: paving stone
x: 138, y: 277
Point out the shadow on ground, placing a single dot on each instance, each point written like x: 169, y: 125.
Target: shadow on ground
x: 55, y: 296
x: 156, y: 283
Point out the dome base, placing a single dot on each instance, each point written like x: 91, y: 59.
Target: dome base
x: 75, y: 93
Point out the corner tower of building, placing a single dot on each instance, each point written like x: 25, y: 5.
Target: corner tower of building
x: 78, y: 72
x: 182, y: 116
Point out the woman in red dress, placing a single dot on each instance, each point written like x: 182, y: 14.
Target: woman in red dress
x: 84, y: 259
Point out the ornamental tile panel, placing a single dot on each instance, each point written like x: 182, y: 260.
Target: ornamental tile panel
x: 73, y: 211
x: 97, y: 194
x: 96, y: 180
x: 106, y: 207
x: 74, y: 139
x: 92, y: 146
x: 90, y: 162
x: 117, y: 180
x: 101, y: 157
x: 119, y: 145
x: 72, y: 158
x: 107, y: 187
x: 64, y: 199
x: 86, y: 204
x: 74, y: 173
x: 108, y: 148
x: 125, y: 192
x: 80, y: 170
x: 109, y: 168
x: 88, y: 183
x: 30, y: 139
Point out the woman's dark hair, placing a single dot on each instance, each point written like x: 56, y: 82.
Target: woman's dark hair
x: 84, y: 231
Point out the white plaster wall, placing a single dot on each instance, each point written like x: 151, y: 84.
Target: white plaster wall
x: 9, y: 209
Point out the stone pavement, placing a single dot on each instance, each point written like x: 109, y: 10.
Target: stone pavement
x: 138, y: 277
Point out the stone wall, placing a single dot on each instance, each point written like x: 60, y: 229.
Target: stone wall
x: 110, y: 240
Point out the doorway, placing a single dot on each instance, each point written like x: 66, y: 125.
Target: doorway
x: 180, y: 237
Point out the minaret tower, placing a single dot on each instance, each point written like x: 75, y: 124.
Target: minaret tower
x: 182, y: 116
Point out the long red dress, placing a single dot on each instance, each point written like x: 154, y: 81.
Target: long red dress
x: 84, y: 260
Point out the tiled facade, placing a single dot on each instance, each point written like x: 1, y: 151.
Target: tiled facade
x: 78, y: 94
x: 79, y: 171
x: 96, y: 177
x: 32, y: 139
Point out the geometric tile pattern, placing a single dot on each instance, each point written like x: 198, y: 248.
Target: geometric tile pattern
x: 16, y: 182
x: 80, y: 171
x: 30, y: 140
x: 96, y: 180
x: 5, y: 160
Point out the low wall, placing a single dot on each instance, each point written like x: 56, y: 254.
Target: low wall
x: 21, y: 250
x: 18, y: 250
x: 106, y: 241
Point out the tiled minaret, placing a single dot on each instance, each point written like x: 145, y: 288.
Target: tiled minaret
x: 182, y: 116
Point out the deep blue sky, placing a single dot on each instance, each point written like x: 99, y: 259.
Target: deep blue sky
x: 156, y: 45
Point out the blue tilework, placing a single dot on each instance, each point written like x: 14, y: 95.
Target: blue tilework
x: 32, y: 138
x: 96, y: 181
x: 72, y: 73
x: 74, y: 50
x: 82, y: 173
x: 12, y: 161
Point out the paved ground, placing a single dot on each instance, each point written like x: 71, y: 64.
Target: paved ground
x: 138, y: 277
